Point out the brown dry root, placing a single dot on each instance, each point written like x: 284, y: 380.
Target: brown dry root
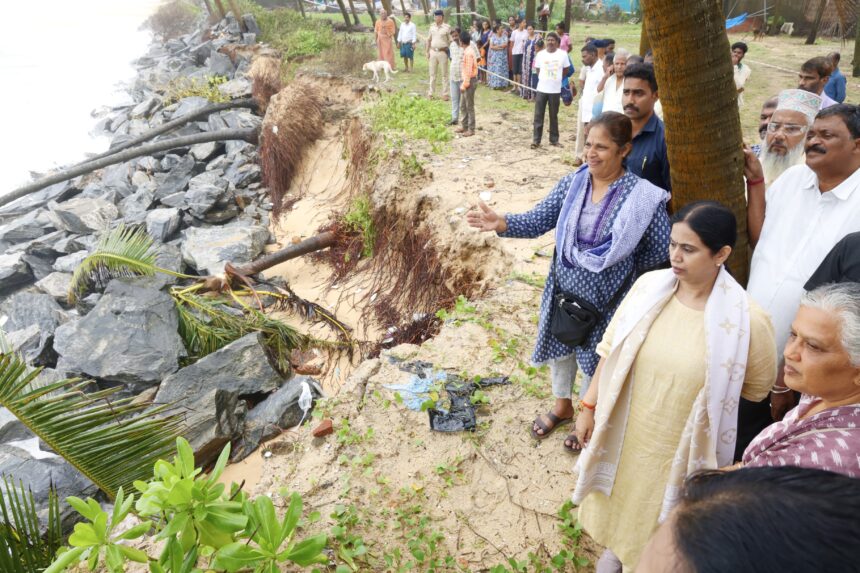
x: 265, y: 74
x: 359, y: 147
x: 292, y: 123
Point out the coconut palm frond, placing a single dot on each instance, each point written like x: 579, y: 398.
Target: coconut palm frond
x: 23, y: 548
x: 844, y: 10
x: 208, y: 323
x: 121, y: 252
x: 113, y: 443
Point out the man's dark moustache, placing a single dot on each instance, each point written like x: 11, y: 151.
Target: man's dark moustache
x: 816, y: 149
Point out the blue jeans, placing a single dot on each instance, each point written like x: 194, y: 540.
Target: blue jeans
x: 455, y: 100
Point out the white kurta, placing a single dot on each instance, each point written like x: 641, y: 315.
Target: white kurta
x: 742, y: 74
x: 589, y: 90
x: 613, y: 89
x: 801, y: 225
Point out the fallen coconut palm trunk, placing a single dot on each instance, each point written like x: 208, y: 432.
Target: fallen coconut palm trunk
x: 315, y: 243
x: 179, y: 122
x: 250, y: 135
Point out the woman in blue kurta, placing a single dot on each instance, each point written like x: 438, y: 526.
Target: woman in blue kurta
x: 498, y: 58
x: 610, y: 226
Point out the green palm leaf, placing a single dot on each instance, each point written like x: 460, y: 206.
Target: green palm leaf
x: 121, y: 252
x: 23, y: 548
x: 113, y: 443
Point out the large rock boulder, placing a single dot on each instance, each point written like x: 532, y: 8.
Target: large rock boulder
x: 277, y: 412
x: 204, y: 192
x: 177, y: 178
x: 14, y: 271
x: 162, y: 223
x: 83, y: 215
x: 240, y: 367
x: 31, y: 320
x: 56, y: 285
x: 129, y: 337
x: 214, y: 419
x: 208, y: 249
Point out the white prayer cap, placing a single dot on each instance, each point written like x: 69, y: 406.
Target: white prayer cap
x: 803, y: 101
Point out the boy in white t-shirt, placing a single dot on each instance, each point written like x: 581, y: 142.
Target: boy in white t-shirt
x: 519, y: 37
x: 550, y: 64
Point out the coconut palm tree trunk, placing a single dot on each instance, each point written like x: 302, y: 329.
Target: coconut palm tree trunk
x: 530, y: 10
x: 301, y: 7
x: 813, y: 32
x: 354, y: 13
x: 644, y: 43
x: 251, y: 135
x: 459, y: 17
x: 567, y: 13
x: 491, y: 9
x: 345, y: 14
x: 425, y: 5
x: 309, y: 245
x: 235, y: 9
x: 703, y: 128
x: 855, y: 72
x: 369, y: 4
x: 221, y: 11
x: 387, y: 5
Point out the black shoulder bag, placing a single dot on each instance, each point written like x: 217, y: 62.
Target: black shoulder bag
x: 573, y: 318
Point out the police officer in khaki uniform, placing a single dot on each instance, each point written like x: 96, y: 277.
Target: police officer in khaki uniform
x: 438, y: 40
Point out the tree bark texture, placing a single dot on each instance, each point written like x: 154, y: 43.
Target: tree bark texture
x: 221, y: 11
x: 354, y: 13
x: 703, y: 128
x: 387, y: 5
x: 235, y: 9
x: 459, y: 17
x: 473, y: 8
x: 173, y: 124
x: 345, y: 14
x: 315, y: 243
x: 813, y: 32
x: 209, y: 8
x: 855, y: 71
x: 425, y: 5
x: 251, y: 135
x: 644, y: 43
x: 491, y: 10
x: 531, y: 11
x: 369, y: 4
x: 568, y: 5
x: 301, y: 7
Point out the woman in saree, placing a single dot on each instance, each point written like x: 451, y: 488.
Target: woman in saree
x: 822, y: 362
x: 609, y: 225
x: 683, y: 347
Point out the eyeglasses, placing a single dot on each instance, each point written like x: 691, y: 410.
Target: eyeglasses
x: 787, y: 128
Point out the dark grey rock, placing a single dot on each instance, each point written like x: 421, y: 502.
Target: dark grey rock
x: 162, y: 223
x: 146, y: 107
x: 88, y: 303
x: 208, y: 249
x: 30, y: 345
x: 11, y: 428
x: 236, y: 147
x: 243, y: 175
x: 251, y: 24
x: 175, y: 200
x: 221, y: 214
x: 189, y: 105
x: 204, y: 191
x: 129, y: 337
x: 44, y: 246
x: 240, y: 367
x: 75, y: 243
x: 249, y: 39
x: 214, y: 418
x: 277, y: 412
x: 170, y: 161
x: 149, y: 164
x: 117, y: 178
x: 216, y: 122
x: 206, y: 151
x: 69, y: 263
x: 177, y: 179
x: 137, y: 203
x: 201, y: 52
x: 31, y: 321
x: 236, y: 88
x: 14, y: 271
x: 238, y: 118
x: 41, y: 266
x: 56, y: 285
x: 82, y: 215
x: 24, y: 228
x: 31, y: 202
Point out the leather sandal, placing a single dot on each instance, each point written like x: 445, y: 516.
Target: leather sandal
x: 548, y: 430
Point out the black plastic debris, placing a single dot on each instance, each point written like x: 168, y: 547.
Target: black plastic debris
x: 461, y: 414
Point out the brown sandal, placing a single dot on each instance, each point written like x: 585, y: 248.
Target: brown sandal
x: 547, y: 430
x: 573, y: 440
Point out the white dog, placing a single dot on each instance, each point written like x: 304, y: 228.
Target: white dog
x: 376, y: 67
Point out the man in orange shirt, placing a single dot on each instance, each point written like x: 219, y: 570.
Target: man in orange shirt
x: 467, y: 88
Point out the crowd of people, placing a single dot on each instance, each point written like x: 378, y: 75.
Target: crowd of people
x: 681, y: 369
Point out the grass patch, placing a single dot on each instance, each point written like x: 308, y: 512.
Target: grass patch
x: 173, y: 19
x: 359, y: 219
x: 412, y: 116
x: 289, y: 33
x: 348, y: 55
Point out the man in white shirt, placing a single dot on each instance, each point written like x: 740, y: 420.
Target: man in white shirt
x: 613, y: 87
x: 593, y: 74
x: 407, y: 37
x: 742, y: 71
x: 519, y: 37
x: 807, y: 211
x: 551, y: 65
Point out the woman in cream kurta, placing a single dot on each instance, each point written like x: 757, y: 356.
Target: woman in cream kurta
x: 669, y: 372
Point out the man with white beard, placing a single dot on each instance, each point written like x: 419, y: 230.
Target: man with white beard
x: 786, y: 132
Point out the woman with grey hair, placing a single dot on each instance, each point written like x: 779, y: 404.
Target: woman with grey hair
x: 822, y: 362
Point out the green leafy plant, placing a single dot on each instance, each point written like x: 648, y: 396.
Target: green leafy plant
x: 204, y: 526
x: 95, y: 540
x: 359, y: 219
x: 23, y: 547
x: 112, y: 442
x: 349, y: 547
x: 184, y: 87
x: 411, y: 166
x: 415, y: 117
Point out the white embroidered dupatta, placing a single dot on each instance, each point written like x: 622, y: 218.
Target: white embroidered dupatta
x: 727, y: 337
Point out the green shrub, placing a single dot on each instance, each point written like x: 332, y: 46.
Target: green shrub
x: 289, y: 33
x: 415, y: 117
x: 187, y: 87
x: 173, y: 19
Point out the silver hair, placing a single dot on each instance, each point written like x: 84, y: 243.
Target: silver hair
x: 844, y: 300
x: 621, y: 52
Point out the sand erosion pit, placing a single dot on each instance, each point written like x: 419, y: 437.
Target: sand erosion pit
x: 399, y: 495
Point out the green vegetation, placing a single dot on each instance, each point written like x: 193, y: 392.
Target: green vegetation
x: 412, y: 117
x: 199, y: 521
x: 23, y: 547
x: 359, y: 219
x: 188, y: 87
x: 289, y: 33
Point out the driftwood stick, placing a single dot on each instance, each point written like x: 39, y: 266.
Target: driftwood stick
x: 315, y: 243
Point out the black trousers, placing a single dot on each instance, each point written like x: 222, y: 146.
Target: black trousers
x: 541, y: 101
